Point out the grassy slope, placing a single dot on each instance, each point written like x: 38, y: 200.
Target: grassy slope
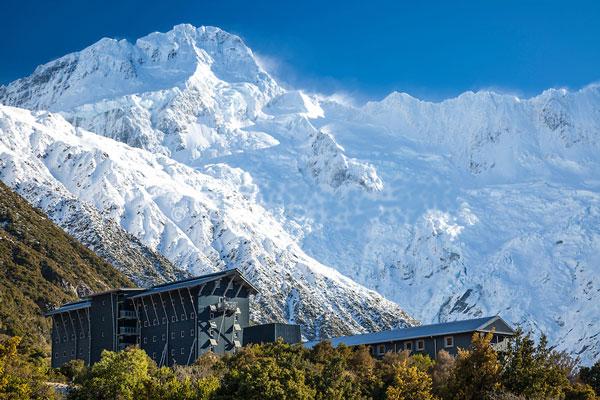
x: 40, y: 267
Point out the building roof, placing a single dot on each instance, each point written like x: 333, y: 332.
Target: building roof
x: 446, y: 328
x: 197, y: 281
x: 76, y: 305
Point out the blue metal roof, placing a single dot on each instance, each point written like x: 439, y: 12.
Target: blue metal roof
x: 446, y: 328
x: 78, y: 305
x: 191, y: 282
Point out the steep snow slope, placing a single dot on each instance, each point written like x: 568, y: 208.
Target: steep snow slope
x: 481, y: 204
x: 197, y: 221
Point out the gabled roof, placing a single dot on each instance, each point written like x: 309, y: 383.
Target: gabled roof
x: 197, y: 281
x: 76, y: 305
x: 441, y: 329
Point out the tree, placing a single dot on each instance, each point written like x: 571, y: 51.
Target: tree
x: 410, y: 383
x: 579, y: 391
x: 591, y: 376
x: 270, y: 371
x: 442, y: 373
x: 123, y: 375
x: 74, y: 371
x: 20, y: 378
x: 476, y: 370
x: 534, y: 371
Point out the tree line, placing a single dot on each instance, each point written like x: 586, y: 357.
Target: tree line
x: 280, y: 371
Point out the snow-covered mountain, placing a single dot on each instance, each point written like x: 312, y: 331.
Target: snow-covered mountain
x: 481, y: 204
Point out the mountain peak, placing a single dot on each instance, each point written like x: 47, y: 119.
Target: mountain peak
x: 111, y: 68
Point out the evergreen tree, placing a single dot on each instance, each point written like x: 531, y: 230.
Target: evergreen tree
x: 476, y: 371
x: 534, y: 371
x: 591, y: 376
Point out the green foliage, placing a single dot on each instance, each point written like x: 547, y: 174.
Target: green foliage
x: 476, y: 371
x: 121, y: 375
x: 74, y: 370
x: 534, y: 371
x: 276, y: 371
x: 40, y: 267
x: 410, y: 383
x: 591, y: 376
x: 579, y: 391
x: 20, y: 379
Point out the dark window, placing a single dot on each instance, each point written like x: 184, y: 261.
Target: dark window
x: 212, y: 315
x: 172, y: 335
x: 163, y: 337
x: 154, y: 356
x: 73, y: 336
x: 381, y: 349
x: 408, y: 346
x: 183, y: 317
x: 182, y: 333
x: 145, y: 324
x: 165, y: 320
x: 172, y: 352
x: 155, y: 321
x: 182, y: 350
x: 145, y: 340
x: 420, y: 344
x: 192, y: 315
x: 102, y: 318
x: 102, y: 334
x: 56, y: 355
x: 449, y: 341
x: 82, y: 335
x: 153, y: 339
x: 192, y: 332
x: 173, y: 319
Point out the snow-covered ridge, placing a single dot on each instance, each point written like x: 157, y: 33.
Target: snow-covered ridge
x: 481, y: 204
x: 199, y: 222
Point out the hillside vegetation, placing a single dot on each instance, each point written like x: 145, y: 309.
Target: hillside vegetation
x: 41, y: 267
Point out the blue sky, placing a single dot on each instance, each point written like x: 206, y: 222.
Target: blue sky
x: 432, y: 49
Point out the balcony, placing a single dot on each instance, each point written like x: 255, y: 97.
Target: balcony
x: 127, y: 314
x: 127, y: 330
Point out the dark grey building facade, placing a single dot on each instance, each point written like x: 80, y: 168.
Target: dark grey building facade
x: 267, y: 333
x: 429, y: 339
x: 174, y: 323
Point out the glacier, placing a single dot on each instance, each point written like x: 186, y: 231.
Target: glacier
x: 482, y: 204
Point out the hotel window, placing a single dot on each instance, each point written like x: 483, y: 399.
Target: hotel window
x: 449, y: 341
x: 64, y: 353
x: 173, y: 319
x: 163, y: 337
x: 192, y: 315
x: 182, y: 333
x: 182, y: 351
x: 172, y: 352
x: 73, y: 337
x: 212, y: 315
x: 420, y: 344
x: 154, y: 356
x: 82, y: 335
x: 172, y: 335
x: 145, y: 324
x: 56, y: 355
x: 145, y: 340
x: 381, y: 349
x: 155, y: 321
x: 165, y: 320
x: 154, y: 339
x: 408, y: 346
x: 102, y: 334
x: 102, y: 318
x: 192, y: 332
x: 183, y: 317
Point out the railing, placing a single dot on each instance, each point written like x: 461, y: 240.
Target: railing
x: 127, y: 330
x: 127, y: 314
